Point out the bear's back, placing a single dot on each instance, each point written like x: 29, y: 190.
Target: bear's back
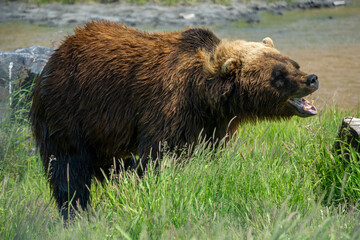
x: 189, y: 40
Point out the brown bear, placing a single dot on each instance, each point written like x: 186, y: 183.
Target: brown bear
x: 110, y: 91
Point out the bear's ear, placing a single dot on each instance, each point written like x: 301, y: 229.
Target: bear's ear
x: 228, y: 65
x: 225, y: 59
x: 268, y: 42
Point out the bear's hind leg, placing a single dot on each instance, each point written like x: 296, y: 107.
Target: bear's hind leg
x: 70, y: 179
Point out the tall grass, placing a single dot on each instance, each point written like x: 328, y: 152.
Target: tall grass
x: 273, y: 180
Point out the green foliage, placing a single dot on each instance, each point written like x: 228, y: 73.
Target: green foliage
x: 15, y: 136
x: 273, y: 180
x: 22, y: 204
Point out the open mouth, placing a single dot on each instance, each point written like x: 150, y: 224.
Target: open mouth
x: 303, y: 106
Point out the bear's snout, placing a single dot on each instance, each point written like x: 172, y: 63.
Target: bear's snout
x: 312, y: 81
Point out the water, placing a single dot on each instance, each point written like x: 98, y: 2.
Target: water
x: 323, y: 41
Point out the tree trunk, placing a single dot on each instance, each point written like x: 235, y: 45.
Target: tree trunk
x: 348, y: 137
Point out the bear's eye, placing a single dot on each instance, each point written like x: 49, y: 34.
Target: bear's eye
x: 279, y: 74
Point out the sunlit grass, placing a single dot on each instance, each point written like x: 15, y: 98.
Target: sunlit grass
x: 273, y: 180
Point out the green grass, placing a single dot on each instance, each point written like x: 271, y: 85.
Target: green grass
x: 274, y: 180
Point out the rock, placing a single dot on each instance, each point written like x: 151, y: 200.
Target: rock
x: 187, y: 16
x: 339, y: 3
x: 25, y: 62
x: 19, y: 67
x: 151, y: 14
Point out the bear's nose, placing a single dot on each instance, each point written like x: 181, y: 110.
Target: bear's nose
x: 312, y: 81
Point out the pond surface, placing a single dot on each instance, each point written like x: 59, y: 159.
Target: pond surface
x: 323, y: 41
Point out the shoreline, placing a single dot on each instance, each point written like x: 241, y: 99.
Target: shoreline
x: 151, y: 14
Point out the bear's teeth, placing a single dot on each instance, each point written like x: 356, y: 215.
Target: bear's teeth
x: 303, y: 105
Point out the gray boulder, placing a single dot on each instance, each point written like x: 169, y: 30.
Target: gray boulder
x: 22, y: 63
x: 18, y: 69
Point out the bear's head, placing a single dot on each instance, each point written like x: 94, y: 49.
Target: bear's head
x: 267, y: 84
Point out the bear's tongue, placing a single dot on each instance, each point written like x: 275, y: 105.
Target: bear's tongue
x: 303, y: 106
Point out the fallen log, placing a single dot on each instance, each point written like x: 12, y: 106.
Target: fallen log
x: 348, y: 137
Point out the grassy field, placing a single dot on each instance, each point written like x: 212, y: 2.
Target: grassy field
x: 274, y: 180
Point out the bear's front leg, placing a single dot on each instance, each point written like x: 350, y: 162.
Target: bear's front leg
x: 149, y: 151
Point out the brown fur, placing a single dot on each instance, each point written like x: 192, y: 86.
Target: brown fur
x: 112, y: 91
